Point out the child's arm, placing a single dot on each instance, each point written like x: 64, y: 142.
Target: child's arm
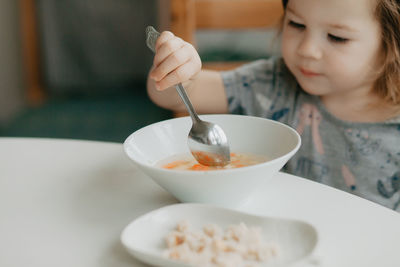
x: 178, y: 61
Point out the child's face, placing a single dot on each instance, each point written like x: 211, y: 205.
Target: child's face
x: 331, y: 46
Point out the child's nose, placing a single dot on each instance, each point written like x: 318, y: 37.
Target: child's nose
x: 309, y: 47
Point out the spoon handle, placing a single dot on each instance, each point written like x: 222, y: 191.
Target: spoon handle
x: 182, y: 93
x: 151, y: 38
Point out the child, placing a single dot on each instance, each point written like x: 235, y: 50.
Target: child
x: 337, y: 84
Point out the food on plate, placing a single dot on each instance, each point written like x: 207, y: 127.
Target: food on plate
x: 236, y: 246
x: 188, y: 162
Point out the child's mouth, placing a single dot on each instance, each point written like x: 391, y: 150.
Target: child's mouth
x: 308, y: 73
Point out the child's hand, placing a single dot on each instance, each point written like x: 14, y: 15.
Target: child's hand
x: 175, y: 61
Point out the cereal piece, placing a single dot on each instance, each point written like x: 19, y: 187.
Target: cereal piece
x: 175, y: 238
x: 183, y: 226
x: 212, y: 230
x: 237, y: 246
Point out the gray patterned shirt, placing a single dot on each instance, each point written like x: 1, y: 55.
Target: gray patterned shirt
x: 360, y: 158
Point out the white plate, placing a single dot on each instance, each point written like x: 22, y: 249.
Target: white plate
x: 144, y: 238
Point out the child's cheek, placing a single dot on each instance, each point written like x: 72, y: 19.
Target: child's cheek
x: 288, y: 45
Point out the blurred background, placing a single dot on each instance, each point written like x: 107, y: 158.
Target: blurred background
x: 77, y: 68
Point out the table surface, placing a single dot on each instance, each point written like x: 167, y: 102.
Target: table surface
x: 65, y: 203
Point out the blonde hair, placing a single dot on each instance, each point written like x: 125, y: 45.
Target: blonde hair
x: 387, y: 85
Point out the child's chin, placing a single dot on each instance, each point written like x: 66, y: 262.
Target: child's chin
x: 311, y: 90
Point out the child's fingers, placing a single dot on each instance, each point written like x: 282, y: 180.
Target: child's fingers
x: 167, y: 48
x: 181, y: 74
x: 173, y: 61
x: 164, y: 37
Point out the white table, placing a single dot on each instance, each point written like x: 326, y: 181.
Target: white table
x: 65, y: 203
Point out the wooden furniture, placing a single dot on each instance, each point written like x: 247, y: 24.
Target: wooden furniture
x: 188, y: 16
x: 30, y: 52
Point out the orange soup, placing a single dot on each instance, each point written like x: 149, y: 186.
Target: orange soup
x: 188, y: 162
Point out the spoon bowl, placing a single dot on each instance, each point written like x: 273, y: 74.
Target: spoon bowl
x: 208, y: 144
x: 207, y: 141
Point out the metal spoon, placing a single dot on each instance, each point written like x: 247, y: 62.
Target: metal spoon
x: 207, y: 141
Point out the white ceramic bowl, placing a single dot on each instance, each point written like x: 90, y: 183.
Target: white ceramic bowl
x: 149, y: 145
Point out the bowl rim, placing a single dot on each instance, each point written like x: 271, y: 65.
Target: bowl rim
x: 199, y: 172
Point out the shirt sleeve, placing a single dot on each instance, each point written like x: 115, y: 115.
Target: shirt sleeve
x: 261, y: 88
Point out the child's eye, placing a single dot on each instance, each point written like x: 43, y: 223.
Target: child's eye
x: 296, y: 25
x: 337, y: 39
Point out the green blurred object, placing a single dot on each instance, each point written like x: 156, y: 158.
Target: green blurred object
x: 220, y: 55
x: 102, y: 117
